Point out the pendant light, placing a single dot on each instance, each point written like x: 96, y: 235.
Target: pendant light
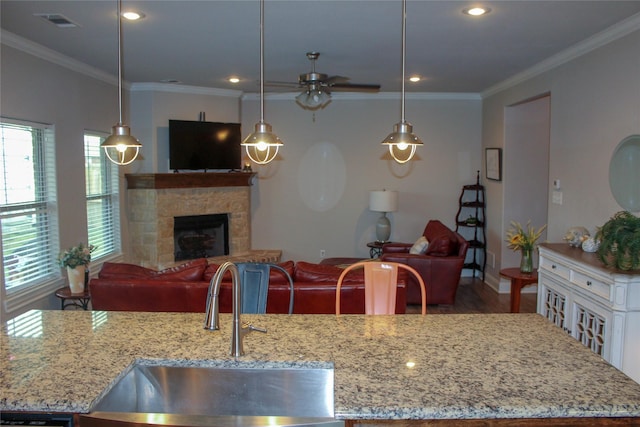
x: 402, y: 142
x: 262, y: 145
x: 121, y: 147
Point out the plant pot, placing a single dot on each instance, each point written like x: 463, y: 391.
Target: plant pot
x: 76, y: 278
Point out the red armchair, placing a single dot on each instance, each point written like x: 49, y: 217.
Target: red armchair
x: 440, y: 266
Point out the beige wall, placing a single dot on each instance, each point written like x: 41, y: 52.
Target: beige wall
x: 595, y: 103
x: 316, y: 196
x: 37, y: 90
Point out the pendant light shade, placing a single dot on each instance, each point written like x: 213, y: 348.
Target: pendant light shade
x: 402, y: 142
x: 121, y: 147
x: 262, y: 145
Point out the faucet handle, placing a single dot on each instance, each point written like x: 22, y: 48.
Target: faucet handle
x: 250, y: 327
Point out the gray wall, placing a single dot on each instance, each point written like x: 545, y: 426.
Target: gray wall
x: 37, y: 90
x: 595, y: 103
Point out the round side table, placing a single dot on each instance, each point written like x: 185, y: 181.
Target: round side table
x: 518, y: 281
x: 375, y: 249
x: 68, y: 299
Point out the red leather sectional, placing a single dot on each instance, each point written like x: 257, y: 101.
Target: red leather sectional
x: 127, y: 287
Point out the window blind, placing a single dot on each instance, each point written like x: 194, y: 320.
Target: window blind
x: 103, y: 214
x: 28, y: 213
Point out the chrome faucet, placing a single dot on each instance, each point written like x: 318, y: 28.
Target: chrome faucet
x: 212, y: 315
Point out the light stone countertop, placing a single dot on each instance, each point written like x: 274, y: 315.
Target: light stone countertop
x: 465, y: 366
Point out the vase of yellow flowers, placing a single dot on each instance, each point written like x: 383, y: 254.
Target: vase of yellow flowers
x: 519, y: 239
x: 76, y: 260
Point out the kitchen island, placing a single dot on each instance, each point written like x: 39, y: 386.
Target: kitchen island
x: 499, y: 366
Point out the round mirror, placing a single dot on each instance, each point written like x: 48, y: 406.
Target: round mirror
x: 624, y: 173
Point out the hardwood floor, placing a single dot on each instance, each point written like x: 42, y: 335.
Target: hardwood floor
x: 475, y: 296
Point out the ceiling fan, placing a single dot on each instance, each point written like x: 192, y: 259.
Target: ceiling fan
x: 318, y: 86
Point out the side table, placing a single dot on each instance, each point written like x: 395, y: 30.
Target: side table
x: 68, y: 299
x: 518, y: 281
x: 375, y: 249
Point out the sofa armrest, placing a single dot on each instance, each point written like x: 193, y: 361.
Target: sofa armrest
x: 395, y: 248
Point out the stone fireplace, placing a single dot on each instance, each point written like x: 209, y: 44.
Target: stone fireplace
x: 154, y: 200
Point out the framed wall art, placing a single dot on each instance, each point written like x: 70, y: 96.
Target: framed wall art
x: 493, y: 163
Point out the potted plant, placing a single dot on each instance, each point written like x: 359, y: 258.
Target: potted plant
x: 620, y: 241
x: 76, y: 259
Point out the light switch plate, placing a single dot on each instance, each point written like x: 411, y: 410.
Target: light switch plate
x: 556, y: 197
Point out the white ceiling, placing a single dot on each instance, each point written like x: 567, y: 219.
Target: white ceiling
x: 201, y: 43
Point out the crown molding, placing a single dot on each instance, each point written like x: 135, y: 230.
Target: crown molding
x: 600, y: 39
x: 191, y: 90
x: 12, y: 40
x: 357, y: 96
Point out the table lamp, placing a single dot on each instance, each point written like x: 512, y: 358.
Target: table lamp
x: 383, y: 201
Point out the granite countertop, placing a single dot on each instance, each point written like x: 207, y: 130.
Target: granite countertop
x: 462, y: 366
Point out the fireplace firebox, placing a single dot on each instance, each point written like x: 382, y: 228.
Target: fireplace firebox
x: 200, y: 236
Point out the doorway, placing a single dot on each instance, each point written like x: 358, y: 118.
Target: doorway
x: 526, y: 169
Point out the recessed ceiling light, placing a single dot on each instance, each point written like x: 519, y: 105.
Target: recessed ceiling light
x: 133, y: 15
x: 414, y: 79
x: 476, y: 11
x: 234, y: 79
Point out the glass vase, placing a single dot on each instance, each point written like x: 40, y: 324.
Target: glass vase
x: 526, y: 262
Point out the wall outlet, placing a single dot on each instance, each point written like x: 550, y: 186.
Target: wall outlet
x: 323, y: 253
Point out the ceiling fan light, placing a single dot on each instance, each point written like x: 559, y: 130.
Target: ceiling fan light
x: 262, y: 145
x: 313, y: 98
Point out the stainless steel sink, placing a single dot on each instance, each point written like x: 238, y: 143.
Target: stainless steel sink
x: 208, y: 395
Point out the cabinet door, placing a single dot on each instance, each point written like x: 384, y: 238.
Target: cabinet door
x: 591, y: 325
x: 553, y: 301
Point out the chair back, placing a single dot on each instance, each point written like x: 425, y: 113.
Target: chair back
x: 380, y: 283
x: 254, y: 280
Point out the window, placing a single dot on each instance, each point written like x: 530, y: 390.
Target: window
x: 28, y: 213
x: 103, y: 213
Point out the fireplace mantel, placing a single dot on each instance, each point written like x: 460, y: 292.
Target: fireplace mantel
x: 148, y: 181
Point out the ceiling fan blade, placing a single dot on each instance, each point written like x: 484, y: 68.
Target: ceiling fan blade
x: 330, y: 81
x: 282, y: 84
x: 354, y: 87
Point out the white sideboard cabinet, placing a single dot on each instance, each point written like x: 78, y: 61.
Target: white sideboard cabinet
x: 598, y: 306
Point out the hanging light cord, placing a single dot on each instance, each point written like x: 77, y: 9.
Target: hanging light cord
x: 120, y: 60
x: 404, y: 49
x: 262, y: 61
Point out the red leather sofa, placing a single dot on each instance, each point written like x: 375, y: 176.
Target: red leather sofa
x: 127, y: 287
x: 440, y: 266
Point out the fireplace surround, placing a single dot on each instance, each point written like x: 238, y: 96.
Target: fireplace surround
x: 155, y: 199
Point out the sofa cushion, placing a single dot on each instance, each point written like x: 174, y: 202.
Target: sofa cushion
x: 442, y: 241
x: 420, y: 246
x: 187, y: 272
x: 117, y: 270
x: 309, y: 272
x: 442, y: 245
x: 275, y: 276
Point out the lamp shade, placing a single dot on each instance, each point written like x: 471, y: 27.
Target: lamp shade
x: 383, y: 201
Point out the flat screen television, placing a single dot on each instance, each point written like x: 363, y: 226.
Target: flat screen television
x: 199, y: 145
